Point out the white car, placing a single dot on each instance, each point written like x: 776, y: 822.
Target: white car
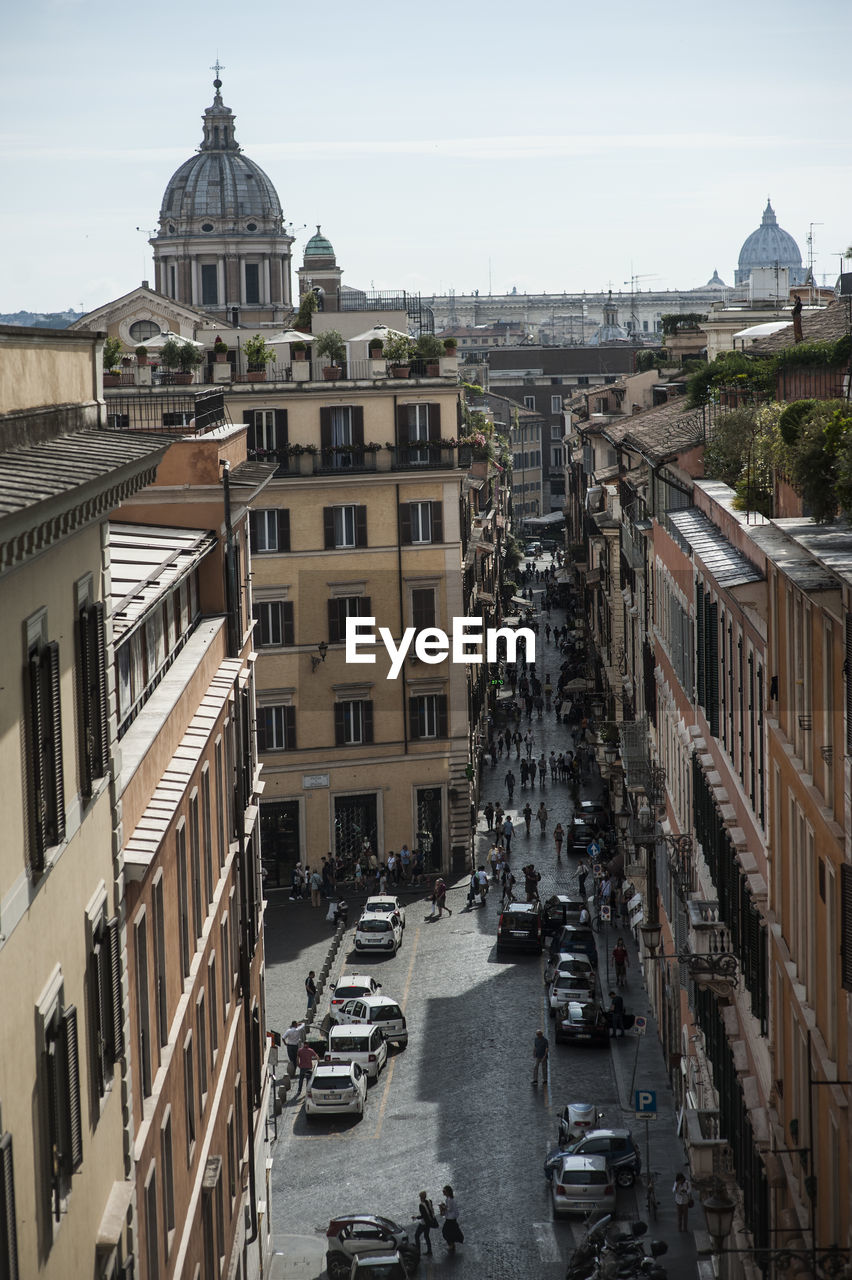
x: 364, y: 1045
x: 379, y: 932
x: 576, y: 963
x: 387, y: 903
x: 566, y: 987
x: 335, y: 1088
x: 349, y: 986
x: 380, y: 1010
x: 582, y: 1183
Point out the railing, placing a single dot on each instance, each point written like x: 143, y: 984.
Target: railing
x: 186, y: 414
x: 281, y: 458
x: 343, y: 460
x: 416, y: 456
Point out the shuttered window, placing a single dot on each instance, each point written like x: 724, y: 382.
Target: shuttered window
x: 701, y: 692
x: 46, y: 782
x: 345, y: 526
x: 846, y: 925
x: 93, y: 719
x: 8, y: 1227
x: 276, y: 728
x: 423, y: 607
x: 847, y: 672
x: 428, y: 716
x: 267, y: 432
x: 107, y: 1009
x: 270, y: 530
x: 342, y: 607
x: 64, y: 1122
x: 418, y: 422
x: 276, y: 623
x: 711, y: 663
x: 421, y: 522
x: 353, y: 723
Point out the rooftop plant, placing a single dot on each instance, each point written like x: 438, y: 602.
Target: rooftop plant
x: 257, y: 352
x: 331, y: 344
x: 112, y: 355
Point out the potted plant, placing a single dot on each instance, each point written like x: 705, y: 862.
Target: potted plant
x: 398, y: 350
x: 112, y: 355
x: 450, y: 346
x: 141, y: 356
x: 220, y: 350
x: 189, y: 358
x: 430, y: 349
x: 331, y: 345
x: 170, y: 357
x: 298, y: 350
x: 258, y: 355
x: 376, y: 348
x: 307, y: 306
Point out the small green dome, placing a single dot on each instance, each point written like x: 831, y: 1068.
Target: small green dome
x: 319, y: 247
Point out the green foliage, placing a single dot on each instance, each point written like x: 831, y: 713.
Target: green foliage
x: 743, y: 452
x: 790, y: 422
x: 820, y: 460
x: 758, y: 375
x: 142, y: 351
x: 813, y: 355
x: 398, y: 348
x: 512, y: 555
x: 450, y: 345
x: 688, y: 320
x: 112, y: 355
x: 331, y: 344
x: 428, y: 347
x: 256, y: 351
x: 189, y: 357
x: 219, y: 346
x: 646, y: 360
x: 170, y: 354
x: 307, y: 306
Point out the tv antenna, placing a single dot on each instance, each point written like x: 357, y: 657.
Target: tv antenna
x: 634, y: 319
x: 811, y: 226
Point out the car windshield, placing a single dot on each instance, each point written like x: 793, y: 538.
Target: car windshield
x: 374, y: 926
x: 350, y: 1044
x: 374, y: 905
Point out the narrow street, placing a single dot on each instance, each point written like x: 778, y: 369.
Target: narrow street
x: 457, y: 1105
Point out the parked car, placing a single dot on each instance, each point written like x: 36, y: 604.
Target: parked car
x: 378, y: 1266
x: 593, y: 811
x: 350, y: 986
x: 379, y: 932
x: 581, y: 1183
x: 616, y: 1146
x: 569, y: 962
x: 352, y: 1235
x: 336, y: 1088
x: 364, y: 1045
x: 532, y: 549
x: 567, y: 988
x: 581, y: 835
x: 380, y: 1010
x: 575, y: 937
x: 521, y: 927
x: 581, y: 1023
x: 559, y: 910
x: 386, y: 903
x: 576, y: 1120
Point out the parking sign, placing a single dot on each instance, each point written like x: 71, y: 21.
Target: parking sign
x: 605, y: 912
x: 646, y: 1104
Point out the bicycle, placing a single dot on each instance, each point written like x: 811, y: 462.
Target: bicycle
x: 651, y: 1196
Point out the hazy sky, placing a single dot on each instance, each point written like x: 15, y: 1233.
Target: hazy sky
x: 541, y: 145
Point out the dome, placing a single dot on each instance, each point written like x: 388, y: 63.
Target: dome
x: 319, y: 250
x: 770, y: 246
x: 219, y: 189
x: 610, y: 332
x: 715, y: 281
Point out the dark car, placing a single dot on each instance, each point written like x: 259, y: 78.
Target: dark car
x: 560, y: 910
x: 581, y: 835
x: 593, y: 811
x: 619, y: 1150
x: 584, y: 1023
x: 575, y: 937
x: 521, y: 928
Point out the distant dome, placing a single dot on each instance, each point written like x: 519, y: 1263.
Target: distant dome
x: 770, y: 246
x: 319, y: 251
x: 610, y: 333
x: 715, y: 281
x: 219, y: 189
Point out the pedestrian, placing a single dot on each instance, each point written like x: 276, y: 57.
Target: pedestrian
x: 527, y: 813
x: 306, y: 1059
x: 541, y: 1049
x: 509, y: 883
x: 533, y: 772
x: 616, y: 1014
x: 433, y: 898
x: 558, y: 837
x: 508, y: 832
x: 359, y: 876
x: 405, y: 862
x: 489, y: 816
x: 542, y: 770
x: 547, y: 632
x: 292, y: 1038
x: 472, y: 890
x: 500, y: 745
x: 316, y: 885
x: 451, y: 1231
x: 621, y: 961
x: 516, y: 739
x: 531, y: 882
x: 482, y: 884
x: 582, y: 872
x: 510, y: 784
x: 553, y: 766
x: 525, y: 774
x: 311, y: 992
x: 682, y: 1192
x: 541, y: 817
x: 441, y: 898
x: 426, y: 1222
x: 528, y: 743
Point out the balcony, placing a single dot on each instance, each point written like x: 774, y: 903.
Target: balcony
x: 416, y: 457
x: 186, y: 414
x: 280, y: 457
x: 344, y: 460
x: 708, y: 935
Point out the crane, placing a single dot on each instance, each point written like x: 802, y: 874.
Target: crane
x: 634, y: 320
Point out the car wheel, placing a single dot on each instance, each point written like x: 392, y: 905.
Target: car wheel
x: 411, y: 1258
x: 625, y: 1177
x: 337, y: 1269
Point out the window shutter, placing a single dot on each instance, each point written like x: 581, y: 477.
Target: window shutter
x: 100, y: 987
x: 8, y: 1225
x: 251, y: 433
x: 280, y: 430
x: 255, y: 613
x: 434, y: 412
x: 846, y: 925
x: 699, y: 632
x: 253, y: 530
x: 70, y: 1130
x: 414, y: 717
x: 37, y: 764
x: 367, y: 721
x: 339, y: 727
x: 56, y: 827
x: 358, y: 425
x: 283, y: 517
x: 116, y: 1029
x: 360, y: 526
x: 335, y: 626
x: 85, y: 735
x: 261, y: 728
x: 365, y: 607
x: 403, y: 434
x: 405, y: 523
x: 441, y: 708
x: 437, y: 522
x: 847, y: 670
x: 290, y: 728
x: 325, y: 429
x: 711, y: 675
x: 99, y: 691
x: 288, y: 622
x: 328, y: 526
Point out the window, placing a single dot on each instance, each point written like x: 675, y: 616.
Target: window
x: 201, y: 1033
x: 270, y: 531
x: 221, y: 831
x: 557, y: 431
x: 140, y: 943
x: 345, y: 526
x: 142, y: 330
x: 227, y: 975
x: 421, y: 522
x: 275, y: 623
x: 166, y: 1159
x: 107, y: 1020
x: 214, y: 1006
x: 342, y: 429
x: 206, y: 834
x: 428, y: 716
x: 209, y: 284
x: 232, y: 1158
x: 342, y: 607
x: 44, y: 741
x: 160, y: 989
x: 64, y: 1132
x: 418, y: 424
x: 152, y: 1233
x: 583, y: 381
x: 529, y: 402
x: 189, y: 1096
x: 267, y: 432
x: 8, y: 1222
x: 276, y: 728
x: 353, y: 723
x: 198, y: 912
x: 423, y: 607
x: 555, y: 404
x: 93, y: 713
x: 252, y: 282
x: 183, y: 899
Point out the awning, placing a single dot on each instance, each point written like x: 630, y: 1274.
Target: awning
x: 553, y: 518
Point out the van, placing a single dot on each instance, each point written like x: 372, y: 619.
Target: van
x: 362, y: 1044
x: 521, y: 927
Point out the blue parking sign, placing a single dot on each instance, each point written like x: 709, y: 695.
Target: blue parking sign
x: 646, y: 1104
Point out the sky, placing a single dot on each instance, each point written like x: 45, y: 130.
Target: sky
x: 542, y: 146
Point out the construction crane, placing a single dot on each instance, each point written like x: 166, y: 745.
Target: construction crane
x: 634, y: 320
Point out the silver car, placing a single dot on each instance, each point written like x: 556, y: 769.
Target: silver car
x: 581, y: 1183
x: 336, y: 1088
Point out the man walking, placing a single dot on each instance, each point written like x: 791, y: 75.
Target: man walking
x: 427, y: 1222
x: 292, y: 1038
x: 305, y: 1060
x: 528, y: 743
x: 311, y: 992
x: 508, y: 832
x: 489, y: 816
x: 541, y: 1048
x: 582, y: 873
x: 616, y: 1010
x: 527, y: 813
x: 510, y: 784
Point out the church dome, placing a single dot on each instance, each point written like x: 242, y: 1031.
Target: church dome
x: 319, y: 250
x: 770, y: 246
x: 219, y: 189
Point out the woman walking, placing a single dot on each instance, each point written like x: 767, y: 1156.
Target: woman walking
x: 451, y: 1231
x: 558, y: 837
x: 541, y: 817
x: 682, y: 1192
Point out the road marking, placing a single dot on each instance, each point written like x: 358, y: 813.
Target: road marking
x: 546, y: 1242
x: 389, y: 1072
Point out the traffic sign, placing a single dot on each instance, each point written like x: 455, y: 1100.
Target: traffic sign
x: 605, y: 912
x: 646, y: 1104
x: 593, y: 848
x: 639, y: 1025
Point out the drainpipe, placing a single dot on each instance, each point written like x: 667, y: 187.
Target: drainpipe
x: 401, y: 623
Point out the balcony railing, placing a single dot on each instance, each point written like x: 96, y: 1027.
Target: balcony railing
x: 708, y: 934
x: 344, y: 460
x: 416, y: 457
x: 281, y: 458
x: 187, y: 414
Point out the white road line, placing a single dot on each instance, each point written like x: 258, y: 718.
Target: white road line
x: 546, y: 1242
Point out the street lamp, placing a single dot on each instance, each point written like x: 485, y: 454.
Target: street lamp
x: 622, y: 820
x: 719, y: 1211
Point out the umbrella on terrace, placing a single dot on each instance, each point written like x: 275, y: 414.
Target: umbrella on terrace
x: 379, y: 331
x: 157, y: 343
x: 291, y: 335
